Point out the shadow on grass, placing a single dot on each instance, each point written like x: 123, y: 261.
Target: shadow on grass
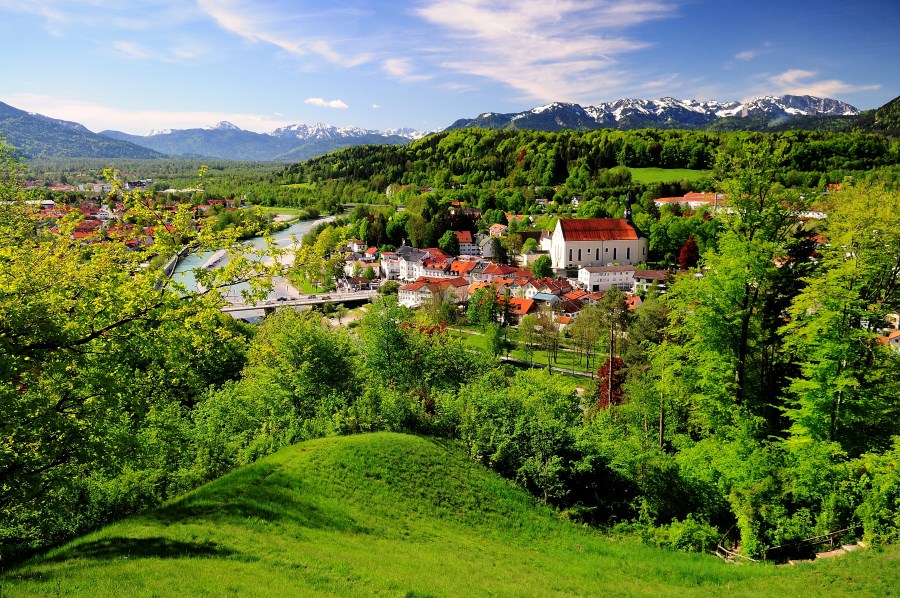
x: 271, y: 498
x: 140, y: 548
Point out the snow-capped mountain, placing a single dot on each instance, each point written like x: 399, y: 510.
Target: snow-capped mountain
x: 223, y: 125
x: 321, y: 131
x: 630, y: 113
x: 291, y: 143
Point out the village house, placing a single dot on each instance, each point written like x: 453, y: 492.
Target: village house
x: 467, y: 245
x: 486, y: 247
x: 644, y: 279
x: 390, y: 265
x: 693, y: 201
x: 517, y: 308
x: 497, y: 230
x: 422, y: 290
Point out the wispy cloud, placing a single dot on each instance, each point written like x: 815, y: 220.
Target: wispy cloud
x: 108, y: 14
x: 545, y: 49
x: 327, y: 103
x: 178, y: 53
x: 256, y: 22
x: 802, y: 82
x: 402, y: 69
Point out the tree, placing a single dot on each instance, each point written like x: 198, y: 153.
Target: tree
x: 845, y: 393
x: 689, y: 255
x: 369, y: 273
x: 498, y: 248
x: 610, y: 379
x: 513, y: 244
x: 96, y: 351
x: 549, y: 334
x: 542, y: 267
x: 494, y: 337
x: 529, y: 335
x: 586, y: 331
x: 529, y: 246
x: 483, y: 307
x: 449, y: 243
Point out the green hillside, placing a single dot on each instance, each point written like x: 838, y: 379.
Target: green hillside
x: 36, y: 136
x: 394, y: 515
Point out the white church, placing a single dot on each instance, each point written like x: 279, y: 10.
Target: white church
x: 580, y: 242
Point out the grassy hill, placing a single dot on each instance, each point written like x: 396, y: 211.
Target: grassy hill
x: 395, y: 515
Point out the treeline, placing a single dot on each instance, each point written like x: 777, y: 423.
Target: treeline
x: 476, y: 157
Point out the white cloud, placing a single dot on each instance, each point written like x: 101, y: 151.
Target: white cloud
x: 747, y: 55
x: 253, y: 22
x: 798, y: 82
x: 327, y: 103
x: 98, y: 117
x: 375, y: 106
x: 546, y: 49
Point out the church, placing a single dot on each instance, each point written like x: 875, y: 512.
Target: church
x: 580, y: 242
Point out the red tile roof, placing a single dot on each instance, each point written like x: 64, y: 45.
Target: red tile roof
x: 597, y: 229
x: 436, y: 253
x: 520, y: 307
x: 463, y: 236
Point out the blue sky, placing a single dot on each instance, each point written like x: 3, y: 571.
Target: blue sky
x: 137, y: 65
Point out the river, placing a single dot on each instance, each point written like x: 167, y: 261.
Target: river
x: 184, y: 273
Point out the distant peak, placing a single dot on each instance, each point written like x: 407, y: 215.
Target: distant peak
x: 224, y: 125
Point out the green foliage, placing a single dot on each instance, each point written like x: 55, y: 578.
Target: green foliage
x: 542, y: 267
x: 333, y: 508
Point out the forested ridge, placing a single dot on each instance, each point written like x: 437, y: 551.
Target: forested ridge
x: 577, y: 159
x: 756, y: 394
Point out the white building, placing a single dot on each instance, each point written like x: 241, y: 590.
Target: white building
x: 580, y: 242
x: 467, y: 245
x: 602, y: 278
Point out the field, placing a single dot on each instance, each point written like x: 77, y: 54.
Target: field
x: 646, y: 176
x: 396, y: 515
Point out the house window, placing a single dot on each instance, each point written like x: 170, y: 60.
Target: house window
x: 614, y: 253
x: 579, y: 255
x: 570, y: 254
x: 628, y: 253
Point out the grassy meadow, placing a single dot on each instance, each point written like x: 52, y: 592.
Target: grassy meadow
x: 646, y: 176
x: 396, y: 515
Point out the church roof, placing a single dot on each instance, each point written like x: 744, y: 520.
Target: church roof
x: 597, y: 229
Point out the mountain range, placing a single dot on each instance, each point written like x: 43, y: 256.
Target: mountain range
x: 293, y: 143
x: 664, y: 113
x: 38, y: 136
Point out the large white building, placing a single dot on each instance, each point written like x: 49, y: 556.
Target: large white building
x: 578, y: 242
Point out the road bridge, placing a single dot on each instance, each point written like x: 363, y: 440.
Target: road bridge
x: 303, y: 301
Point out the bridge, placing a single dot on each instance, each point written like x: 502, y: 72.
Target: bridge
x: 303, y: 301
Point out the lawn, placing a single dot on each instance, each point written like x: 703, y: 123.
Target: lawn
x: 666, y: 175
x: 566, y: 358
x: 397, y: 515
x: 281, y: 210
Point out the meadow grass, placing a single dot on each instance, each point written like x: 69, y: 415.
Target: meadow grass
x: 666, y: 175
x: 281, y: 210
x: 396, y: 515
